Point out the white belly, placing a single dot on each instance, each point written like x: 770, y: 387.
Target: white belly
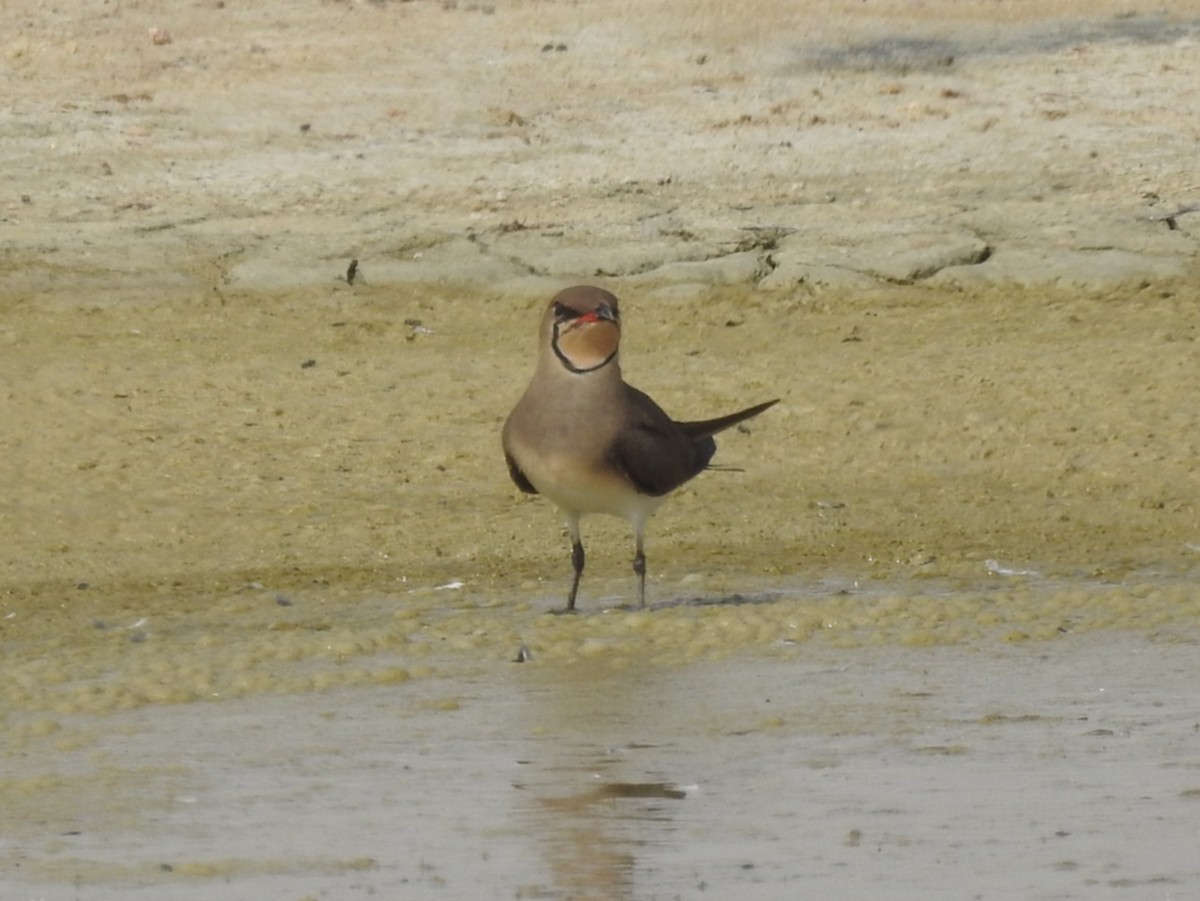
x: 579, y: 490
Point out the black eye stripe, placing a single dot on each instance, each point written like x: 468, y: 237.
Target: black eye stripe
x: 564, y: 313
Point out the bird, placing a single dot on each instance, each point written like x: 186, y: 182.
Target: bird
x: 589, y: 442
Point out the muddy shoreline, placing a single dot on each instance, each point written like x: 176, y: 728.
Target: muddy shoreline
x: 259, y: 554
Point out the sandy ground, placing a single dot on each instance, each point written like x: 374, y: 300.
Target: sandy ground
x: 935, y: 640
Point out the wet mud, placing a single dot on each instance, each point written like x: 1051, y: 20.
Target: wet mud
x: 272, y: 615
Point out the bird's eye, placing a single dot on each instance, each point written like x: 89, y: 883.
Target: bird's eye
x: 562, y: 311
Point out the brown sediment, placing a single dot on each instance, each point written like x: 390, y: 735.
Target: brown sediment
x: 291, y: 493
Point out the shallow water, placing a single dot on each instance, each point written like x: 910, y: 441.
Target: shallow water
x: 1061, y: 769
x: 1021, y: 736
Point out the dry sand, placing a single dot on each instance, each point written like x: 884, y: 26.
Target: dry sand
x: 937, y: 640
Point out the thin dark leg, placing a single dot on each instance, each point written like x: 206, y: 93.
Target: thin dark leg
x: 639, y: 567
x: 577, y: 561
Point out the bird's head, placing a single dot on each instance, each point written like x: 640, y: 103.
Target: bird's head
x: 583, y: 327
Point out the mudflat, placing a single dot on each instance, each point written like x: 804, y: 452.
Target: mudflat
x: 958, y: 240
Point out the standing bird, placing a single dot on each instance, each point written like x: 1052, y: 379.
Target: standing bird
x: 591, y: 443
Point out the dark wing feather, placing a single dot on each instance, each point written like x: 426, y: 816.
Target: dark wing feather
x: 658, y: 455
x: 656, y: 462
x: 654, y: 453
x: 518, y: 477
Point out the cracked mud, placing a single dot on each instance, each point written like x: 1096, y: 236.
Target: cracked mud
x: 263, y: 580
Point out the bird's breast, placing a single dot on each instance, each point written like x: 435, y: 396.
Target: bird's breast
x: 581, y: 483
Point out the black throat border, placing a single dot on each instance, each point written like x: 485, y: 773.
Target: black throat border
x: 571, y: 367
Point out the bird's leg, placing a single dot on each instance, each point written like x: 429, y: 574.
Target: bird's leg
x: 577, y: 563
x: 639, y: 566
x: 577, y: 559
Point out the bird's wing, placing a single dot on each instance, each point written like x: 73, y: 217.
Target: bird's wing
x: 652, y: 452
x: 518, y: 477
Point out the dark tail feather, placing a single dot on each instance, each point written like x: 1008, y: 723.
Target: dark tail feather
x: 708, y: 427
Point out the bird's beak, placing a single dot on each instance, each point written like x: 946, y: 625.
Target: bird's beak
x: 602, y: 313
